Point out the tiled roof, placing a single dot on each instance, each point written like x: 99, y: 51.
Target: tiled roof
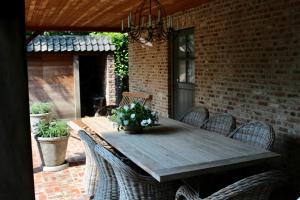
x: 70, y: 43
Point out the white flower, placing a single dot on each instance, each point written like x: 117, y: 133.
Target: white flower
x: 149, y: 121
x: 125, y: 122
x: 126, y: 108
x: 153, y: 113
x: 146, y: 107
x: 132, y: 105
x: 121, y: 114
x: 144, y: 123
x: 132, y: 116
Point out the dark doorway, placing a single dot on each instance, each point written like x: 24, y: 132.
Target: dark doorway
x: 183, y: 72
x: 92, y: 82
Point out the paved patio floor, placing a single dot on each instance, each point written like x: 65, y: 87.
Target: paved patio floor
x: 62, y: 185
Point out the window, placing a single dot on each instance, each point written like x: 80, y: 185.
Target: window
x: 185, y: 56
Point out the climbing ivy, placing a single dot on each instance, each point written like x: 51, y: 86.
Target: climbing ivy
x: 120, y: 54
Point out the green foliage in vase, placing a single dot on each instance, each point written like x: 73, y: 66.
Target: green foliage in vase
x: 134, y: 115
x: 52, y: 128
x: 40, y: 108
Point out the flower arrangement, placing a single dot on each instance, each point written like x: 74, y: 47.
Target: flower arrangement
x: 133, y: 117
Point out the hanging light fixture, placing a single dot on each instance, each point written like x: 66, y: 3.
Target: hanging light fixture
x: 148, y: 23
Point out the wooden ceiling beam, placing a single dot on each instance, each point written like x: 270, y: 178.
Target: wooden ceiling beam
x: 89, y: 15
x: 79, y: 29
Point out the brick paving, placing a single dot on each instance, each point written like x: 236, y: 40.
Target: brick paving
x: 65, y: 184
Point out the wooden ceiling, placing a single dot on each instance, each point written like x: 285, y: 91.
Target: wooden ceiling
x: 88, y: 15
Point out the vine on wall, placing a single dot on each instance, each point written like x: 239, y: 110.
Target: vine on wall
x: 121, y: 53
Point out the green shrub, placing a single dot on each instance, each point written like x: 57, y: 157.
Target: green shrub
x: 40, y: 108
x: 52, y: 128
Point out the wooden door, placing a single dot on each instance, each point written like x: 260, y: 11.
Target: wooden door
x: 183, y: 72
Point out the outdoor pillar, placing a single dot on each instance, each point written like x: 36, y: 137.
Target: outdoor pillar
x: 16, y: 173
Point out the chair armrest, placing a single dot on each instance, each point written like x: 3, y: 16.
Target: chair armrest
x: 186, y: 193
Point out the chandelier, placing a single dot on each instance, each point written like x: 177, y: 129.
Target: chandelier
x: 148, y: 23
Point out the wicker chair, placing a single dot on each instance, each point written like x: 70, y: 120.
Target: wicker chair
x: 106, y: 187
x: 196, y: 117
x: 222, y: 123
x: 127, y: 98
x: 255, y: 133
x: 133, y: 185
x: 255, y: 187
x: 90, y: 178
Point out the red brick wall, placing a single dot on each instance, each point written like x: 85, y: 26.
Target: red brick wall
x: 247, y: 64
x: 110, y: 80
x: 148, y: 72
x: 50, y: 79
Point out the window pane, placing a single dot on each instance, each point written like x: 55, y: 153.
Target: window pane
x: 182, y: 71
x: 190, y: 44
x: 191, y: 71
x: 181, y: 45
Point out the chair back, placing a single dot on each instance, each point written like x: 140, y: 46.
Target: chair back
x: 258, y: 186
x: 133, y: 185
x: 222, y: 123
x: 107, y: 186
x: 113, y: 160
x: 255, y: 133
x: 90, y: 173
x: 129, y: 97
x: 196, y: 117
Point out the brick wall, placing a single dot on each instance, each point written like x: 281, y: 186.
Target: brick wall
x: 148, y: 72
x: 247, y: 64
x: 110, y: 86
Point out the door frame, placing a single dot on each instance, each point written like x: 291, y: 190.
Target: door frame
x: 171, y: 71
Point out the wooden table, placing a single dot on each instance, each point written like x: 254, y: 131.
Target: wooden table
x: 175, y: 150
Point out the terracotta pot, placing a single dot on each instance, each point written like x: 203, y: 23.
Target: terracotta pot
x: 35, y: 118
x: 52, y: 150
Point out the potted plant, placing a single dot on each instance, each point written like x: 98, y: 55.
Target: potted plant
x: 133, y: 118
x: 39, y: 111
x: 52, y: 140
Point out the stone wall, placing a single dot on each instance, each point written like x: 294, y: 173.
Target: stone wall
x: 247, y: 64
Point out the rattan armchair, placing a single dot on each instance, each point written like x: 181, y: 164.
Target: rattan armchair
x: 133, y: 185
x: 196, y: 117
x: 222, y: 123
x: 100, y: 180
x: 255, y: 133
x: 255, y: 187
x: 127, y: 98
x: 90, y: 177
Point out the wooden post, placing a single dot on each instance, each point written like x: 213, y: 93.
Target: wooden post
x: 15, y: 140
x: 76, y: 87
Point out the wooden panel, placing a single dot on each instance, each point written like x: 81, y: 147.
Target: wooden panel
x: 175, y: 150
x: 76, y: 87
x: 92, y: 15
x: 50, y: 79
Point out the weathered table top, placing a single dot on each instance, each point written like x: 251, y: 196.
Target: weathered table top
x: 175, y: 150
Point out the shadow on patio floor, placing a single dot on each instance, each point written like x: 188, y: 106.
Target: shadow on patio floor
x: 62, y: 185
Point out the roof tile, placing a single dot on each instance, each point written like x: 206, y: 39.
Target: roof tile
x: 70, y: 43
